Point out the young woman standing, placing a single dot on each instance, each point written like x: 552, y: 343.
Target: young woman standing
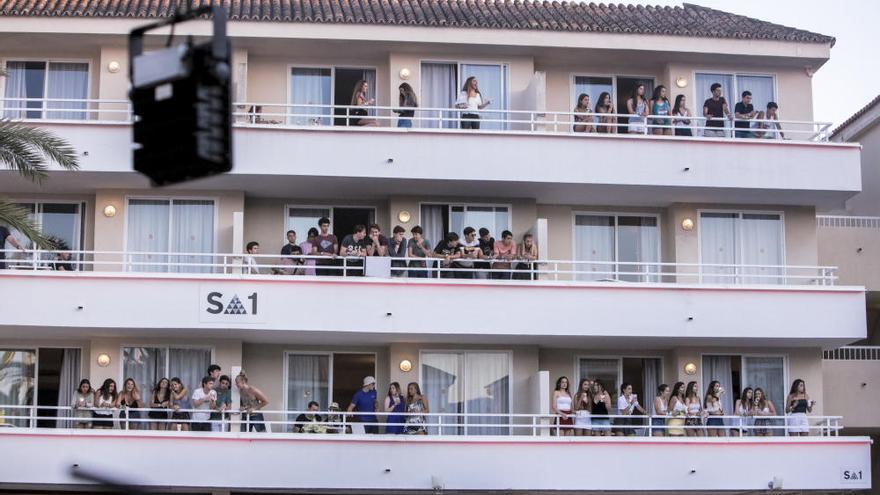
x: 561, y: 407
x: 627, y: 405
x: 83, y: 402
x: 160, y: 399
x: 681, y: 117
x: 712, y: 407
x: 797, y: 405
x: 677, y: 410
x: 180, y: 403
x: 416, y: 408
x: 694, y: 420
x: 661, y: 410
x: 601, y: 405
x: 105, y: 404
x: 744, y: 408
x: 470, y: 100
x: 394, y: 403
x: 130, y: 398
x: 582, y: 404
x: 637, y: 108
x: 583, y: 122
x: 763, y: 408
x: 660, y: 106
x: 606, y: 123
x: 406, y: 102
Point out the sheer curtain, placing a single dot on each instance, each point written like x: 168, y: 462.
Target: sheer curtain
x: 702, y: 91
x: 432, y: 223
x: 189, y: 364
x: 494, y: 218
x: 761, y: 88
x: 148, y: 232
x: 718, y: 245
x: 67, y: 384
x: 487, y: 375
x: 308, y: 379
x: 762, y: 245
x: 767, y: 373
x: 718, y: 368
x: 17, y: 382
x: 16, y: 87
x: 68, y: 81
x: 146, y: 366
x: 192, y: 232
x: 310, y: 87
x: 606, y: 370
x: 650, y: 382
x: 638, y: 240
x: 594, y: 241
x: 300, y: 220
x: 492, y: 83
x: 438, y: 90
x: 443, y: 385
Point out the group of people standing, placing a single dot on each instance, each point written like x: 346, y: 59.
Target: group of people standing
x: 676, y: 411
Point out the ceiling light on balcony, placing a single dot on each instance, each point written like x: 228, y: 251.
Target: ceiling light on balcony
x: 113, y: 67
x: 404, y: 216
x: 681, y: 82
x: 103, y: 360
x: 404, y: 73
x: 690, y: 369
x: 406, y: 366
x: 687, y: 224
x: 109, y: 211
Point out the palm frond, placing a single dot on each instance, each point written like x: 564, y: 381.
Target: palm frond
x: 18, y: 218
x: 30, y: 150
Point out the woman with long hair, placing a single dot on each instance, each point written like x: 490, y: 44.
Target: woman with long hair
x: 604, y: 105
x: 360, y: 98
x: 713, y: 409
x: 694, y: 420
x: 600, y: 407
x: 406, y: 102
x: 583, y: 121
x: 470, y: 100
x: 130, y: 398
x: 416, y: 408
x: 309, y: 248
x: 180, y: 403
x: 661, y: 410
x: 394, y: 403
x: 83, y: 402
x: 561, y: 407
x: 797, y: 405
x: 627, y: 405
x: 160, y: 399
x: 660, y: 106
x: 744, y: 408
x: 105, y: 404
x: 582, y: 404
x: 677, y: 411
x: 681, y: 117
x: 637, y: 108
x: 763, y: 407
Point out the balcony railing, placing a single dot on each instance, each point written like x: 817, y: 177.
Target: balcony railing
x: 292, y: 116
x: 853, y: 353
x: 230, y: 422
x: 231, y: 265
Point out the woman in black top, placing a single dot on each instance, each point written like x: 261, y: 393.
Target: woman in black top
x: 160, y: 399
x: 407, y: 99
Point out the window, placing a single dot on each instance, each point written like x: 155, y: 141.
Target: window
x: 441, y: 83
x: 17, y: 383
x: 593, y: 86
x: 735, y: 373
x: 34, y: 88
x: 763, y: 89
x: 301, y: 219
x: 438, y: 219
x: 740, y: 238
x: 60, y: 220
x: 609, y: 244
x: 160, y: 226
x: 310, y: 93
x: 465, y: 383
x: 644, y: 374
x: 148, y: 365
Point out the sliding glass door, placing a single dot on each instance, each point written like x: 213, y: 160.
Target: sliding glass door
x: 311, y: 96
x: 60, y: 220
x: 18, y: 376
x: 160, y: 226
x: 763, y: 89
x: 148, y: 365
x: 442, y: 82
x: 737, y: 372
x: 34, y: 88
x: 614, y: 246
x: 741, y: 238
x: 492, y: 81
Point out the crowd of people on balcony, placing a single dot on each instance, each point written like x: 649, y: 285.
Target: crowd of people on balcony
x: 677, y: 411
x: 470, y: 257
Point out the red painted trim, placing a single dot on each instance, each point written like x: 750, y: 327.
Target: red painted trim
x: 457, y: 285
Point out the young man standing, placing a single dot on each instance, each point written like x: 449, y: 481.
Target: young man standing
x: 470, y: 248
x: 288, y: 251
x: 397, y: 249
x: 744, y: 112
x: 449, y: 250
x: 377, y: 244
x: 203, y: 400
x: 364, y: 401
x: 224, y: 403
x: 487, y: 246
x: 250, y: 266
x: 715, y: 109
x: 355, y: 245
x: 327, y: 245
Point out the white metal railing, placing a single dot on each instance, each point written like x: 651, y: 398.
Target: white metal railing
x: 229, y: 264
x: 859, y: 222
x: 440, y: 424
x: 853, y: 353
x: 290, y: 115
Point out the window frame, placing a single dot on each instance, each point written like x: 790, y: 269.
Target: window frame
x: 167, y: 347
x: 285, y: 370
x: 505, y: 69
x: 616, y: 214
x: 739, y: 238
x: 332, y: 68
x: 44, y: 103
x: 215, y: 200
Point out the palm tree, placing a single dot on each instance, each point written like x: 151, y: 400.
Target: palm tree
x: 30, y: 151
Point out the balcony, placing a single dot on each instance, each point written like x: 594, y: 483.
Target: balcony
x: 441, y: 460
x: 697, y: 304
x: 532, y: 155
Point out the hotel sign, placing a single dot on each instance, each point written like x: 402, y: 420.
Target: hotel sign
x: 225, y: 303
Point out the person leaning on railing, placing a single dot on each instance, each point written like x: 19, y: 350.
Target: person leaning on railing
x: 397, y: 248
x: 180, y: 405
x: 681, y: 117
x: 290, y: 253
x: 715, y: 109
x: 606, y: 123
x: 768, y: 130
x: 130, y: 398
x: 222, y: 404
x: 252, y: 400
x: 160, y: 403
x: 449, y: 250
x: 527, y: 253
x: 105, y: 405
x: 505, y: 252
x: 744, y: 112
x: 407, y: 101
x: 418, y: 247
x: 83, y: 403
x: 6, y: 236
x: 583, y: 121
x: 637, y: 107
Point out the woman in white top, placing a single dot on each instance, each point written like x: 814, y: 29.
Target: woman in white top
x: 712, y: 407
x: 763, y: 407
x: 471, y: 101
x: 627, y: 404
x: 661, y: 410
x: 582, y: 400
x: 694, y: 420
x: 744, y: 408
x: 677, y: 411
x: 682, y: 124
x: 561, y: 406
x: 637, y: 108
x: 83, y: 402
x: 105, y: 405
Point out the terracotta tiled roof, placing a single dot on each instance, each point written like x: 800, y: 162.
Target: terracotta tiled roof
x: 865, y: 109
x: 688, y: 20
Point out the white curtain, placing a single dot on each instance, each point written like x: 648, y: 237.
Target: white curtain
x: 369, y: 75
x: 310, y: 87
x: 432, y: 223
x: 67, y: 81
x: 487, y: 375
x: 17, y: 87
x: 718, y: 368
x: 702, y: 91
x: 146, y: 366
x: 492, y: 82
x: 650, y: 382
x: 148, y: 223
x: 594, y: 242
x: 761, y: 88
x: 443, y: 384
x: 718, y: 245
x: 494, y: 218
x: 189, y: 364
x: 17, y: 382
x: 301, y: 220
x: 606, y: 370
x: 192, y: 229
x: 67, y: 385
x: 638, y: 240
x: 308, y: 379
x: 438, y: 90
x: 762, y: 245
x: 767, y: 373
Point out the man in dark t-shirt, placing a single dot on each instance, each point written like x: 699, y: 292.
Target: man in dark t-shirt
x: 355, y: 245
x: 744, y: 111
x: 288, y: 250
x: 326, y: 245
x: 449, y: 250
x: 714, y: 109
x: 487, y: 245
x: 6, y: 236
x: 376, y: 243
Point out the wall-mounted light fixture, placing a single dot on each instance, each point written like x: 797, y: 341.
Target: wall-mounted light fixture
x: 404, y: 73
x: 687, y: 224
x: 404, y: 216
x: 113, y: 67
x: 406, y: 366
x: 681, y: 82
x: 109, y: 211
x: 103, y: 359
x: 690, y: 369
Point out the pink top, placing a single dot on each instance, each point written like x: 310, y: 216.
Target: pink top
x: 502, y: 251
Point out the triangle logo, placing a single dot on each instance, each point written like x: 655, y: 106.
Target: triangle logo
x: 235, y: 307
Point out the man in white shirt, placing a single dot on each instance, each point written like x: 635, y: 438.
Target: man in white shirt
x: 249, y: 266
x: 470, y: 247
x: 204, y: 400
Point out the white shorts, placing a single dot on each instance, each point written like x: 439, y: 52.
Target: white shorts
x: 582, y: 420
x: 797, y: 423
